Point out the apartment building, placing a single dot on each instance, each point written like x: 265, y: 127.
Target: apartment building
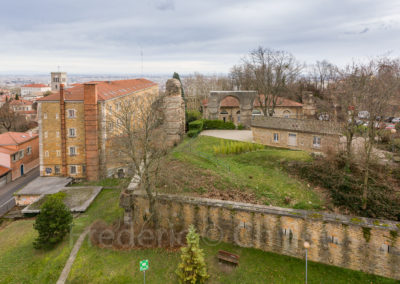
x: 73, y: 126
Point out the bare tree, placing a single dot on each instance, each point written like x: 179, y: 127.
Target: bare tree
x: 138, y: 141
x: 9, y: 119
x: 273, y: 71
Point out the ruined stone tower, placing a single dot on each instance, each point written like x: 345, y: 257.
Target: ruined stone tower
x: 309, y: 105
x: 174, y: 112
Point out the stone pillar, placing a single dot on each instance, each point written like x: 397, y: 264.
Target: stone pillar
x: 213, y: 105
x: 309, y: 105
x: 91, y: 131
x: 174, y: 112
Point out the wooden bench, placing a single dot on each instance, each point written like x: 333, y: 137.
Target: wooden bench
x: 227, y: 257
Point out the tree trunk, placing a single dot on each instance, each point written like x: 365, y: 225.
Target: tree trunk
x: 152, y: 200
x: 366, y: 176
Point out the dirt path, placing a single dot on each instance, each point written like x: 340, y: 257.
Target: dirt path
x: 72, y: 256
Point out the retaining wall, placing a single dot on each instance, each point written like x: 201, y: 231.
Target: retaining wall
x: 356, y: 243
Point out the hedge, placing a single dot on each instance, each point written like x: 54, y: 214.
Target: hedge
x: 218, y: 124
x: 196, y: 125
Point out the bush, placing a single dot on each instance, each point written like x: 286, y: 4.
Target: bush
x: 193, y: 115
x: 196, y: 125
x: 385, y: 135
x: 218, y: 124
x: 240, y: 126
x: 193, y: 133
x: 53, y: 222
x: 192, y: 269
x: 226, y: 148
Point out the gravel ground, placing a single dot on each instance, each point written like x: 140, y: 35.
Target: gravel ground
x: 239, y: 135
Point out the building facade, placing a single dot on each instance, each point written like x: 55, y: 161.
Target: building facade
x: 58, y: 78
x: 19, y: 151
x: 297, y: 134
x: 34, y: 91
x: 74, y: 124
x: 229, y: 109
x: 24, y: 108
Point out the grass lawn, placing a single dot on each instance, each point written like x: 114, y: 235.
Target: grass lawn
x: 21, y: 263
x: 95, y: 265
x: 259, y: 173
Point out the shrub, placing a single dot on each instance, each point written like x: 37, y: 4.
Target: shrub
x: 192, y: 269
x: 53, y: 222
x: 384, y: 135
x: 196, y: 125
x: 218, y: 124
x: 240, y: 126
x: 193, y: 115
x: 192, y: 133
x: 226, y: 148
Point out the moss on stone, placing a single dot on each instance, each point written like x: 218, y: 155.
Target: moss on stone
x: 394, y: 235
x: 356, y: 220
x: 316, y: 216
x: 366, y: 233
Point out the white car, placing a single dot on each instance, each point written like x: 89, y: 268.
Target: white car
x: 396, y: 120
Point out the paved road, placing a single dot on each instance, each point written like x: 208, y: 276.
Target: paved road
x: 239, y: 135
x: 6, y: 191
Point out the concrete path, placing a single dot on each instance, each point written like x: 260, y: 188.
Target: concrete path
x: 72, y: 256
x: 239, y: 135
x: 6, y: 191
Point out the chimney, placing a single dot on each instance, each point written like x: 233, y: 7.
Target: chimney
x: 63, y: 133
x: 91, y: 131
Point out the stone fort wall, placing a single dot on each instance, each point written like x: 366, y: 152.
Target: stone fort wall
x: 368, y: 245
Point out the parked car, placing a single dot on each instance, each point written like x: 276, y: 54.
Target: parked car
x: 363, y: 114
x: 388, y: 118
x: 396, y: 120
x: 390, y: 126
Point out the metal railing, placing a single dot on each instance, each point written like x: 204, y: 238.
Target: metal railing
x: 7, y: 206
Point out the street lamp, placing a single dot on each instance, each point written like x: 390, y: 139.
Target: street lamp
x: 306, y: 246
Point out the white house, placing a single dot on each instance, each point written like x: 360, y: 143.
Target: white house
x: 34, y: 91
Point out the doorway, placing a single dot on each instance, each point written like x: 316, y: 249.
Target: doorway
x: 22, y: 170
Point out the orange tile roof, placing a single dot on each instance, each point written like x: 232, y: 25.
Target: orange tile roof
x: 15, y: 138
x: 233, y: 102
x: 35, y: 86
x: 105, y: 90
x: 8, y: 151
x: 21, y: 102
x: 4, y: 170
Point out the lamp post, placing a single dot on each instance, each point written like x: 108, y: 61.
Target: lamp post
x: 393, y: 131
x: 306, y: 246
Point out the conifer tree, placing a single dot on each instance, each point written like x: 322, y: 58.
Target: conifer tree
x: 192, y: 269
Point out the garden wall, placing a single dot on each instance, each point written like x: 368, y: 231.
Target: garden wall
x: 368, y: 245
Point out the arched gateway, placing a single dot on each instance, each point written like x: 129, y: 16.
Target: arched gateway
x: 245, y: 98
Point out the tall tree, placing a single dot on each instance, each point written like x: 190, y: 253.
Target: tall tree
x: 272, y: 72
x: 137, y: 141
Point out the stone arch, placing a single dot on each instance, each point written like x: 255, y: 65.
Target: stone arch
x: 245, y: 98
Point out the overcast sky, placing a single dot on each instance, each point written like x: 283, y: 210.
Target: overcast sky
x: 107, y: 36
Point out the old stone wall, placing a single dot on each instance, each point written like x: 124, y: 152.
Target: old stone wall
x: 174, y: 112
x: 356, y: 243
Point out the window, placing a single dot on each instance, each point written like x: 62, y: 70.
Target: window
x: 71, y: 113
x: 110, y: 108
x: 110, y: 126
x: 48, y: 171
x: 21, y: 154
x: 72, y: 151
x: 317, y: 141
x: 58, y: 153
x: 286, y: 114
x: 72, y: 132
x: 46, y: 153
x: 57, y: 134
x: 118, y: 106
x: 57, y: 170
x: 45, y: 134
x: 56, y: 115
x: 83, y: 168
x: 29, y: 150
x: 276, y: 137
x: 72, y: 170
x: 44, y: 115
x: 292, y: 139
x: 14, y: 157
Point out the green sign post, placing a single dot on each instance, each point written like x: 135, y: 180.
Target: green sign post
x: 144, y: 265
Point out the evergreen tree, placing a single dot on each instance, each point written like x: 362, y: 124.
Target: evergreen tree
x: 192, y: 269
x: 53, y: 222
x: 16, y: 97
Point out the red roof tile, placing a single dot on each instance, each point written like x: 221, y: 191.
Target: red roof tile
x: 21, y: 102
x: 35, y: 86
x: 15, y: 138
x: 105, y: 90
x: 4, y: 170
x: 8, y: 151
